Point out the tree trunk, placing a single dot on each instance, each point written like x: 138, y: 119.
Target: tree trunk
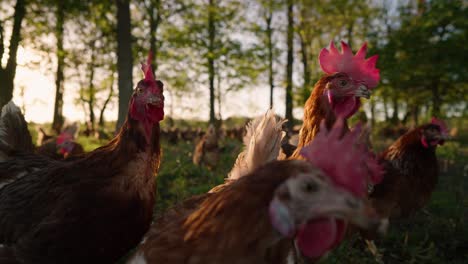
x: 211, y: 66
x: 269, y: 35
x: 106, y: 102
x: 289, y: 66
x: 7, y: 74
x: 155, y: 18
x: 436, y: 101
x: 124, y: 59
x: 58, y: 120
x: 219, y: 94
x: 305, y: 62
x: 415, y: 114
x: 172, y: 95
x: 350, y: 33
x: 92, y: 118
x: 385, y: 108
x: 372, y: 111
x: 406, y: 116
x: 395, y: 109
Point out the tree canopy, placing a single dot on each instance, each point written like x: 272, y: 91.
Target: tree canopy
x: 219, y: 47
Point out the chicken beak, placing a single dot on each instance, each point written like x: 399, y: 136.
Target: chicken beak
x: 446, y: 137
x: 154, y: 100
x: 281, y: 218
x: 340, y: 204
x: 328, y: 202
x: 362, y: 91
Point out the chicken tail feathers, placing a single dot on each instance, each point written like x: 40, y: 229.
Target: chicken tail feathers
x: 262, y: 144
x: 14, y: 133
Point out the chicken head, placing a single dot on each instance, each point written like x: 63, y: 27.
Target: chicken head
x: 316, y: 207
x: 147, y: 102
x: 65, y: 144
x: 434, y: 133
x: 350, y: 77
x: 309, y: 196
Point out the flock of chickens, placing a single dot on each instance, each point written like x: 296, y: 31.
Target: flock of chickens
x: 96, y: 207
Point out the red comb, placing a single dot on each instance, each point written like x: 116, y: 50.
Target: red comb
x: 146, y: 68
x: 357, y: 67
x: 441, y: 124
x: 64, y: 136
x: 345, y: 160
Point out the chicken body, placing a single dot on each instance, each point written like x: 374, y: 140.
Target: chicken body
x: 219, y: 227
x: 93, y: 208
x: 87, y: 209
x: 411, y: 175
x: 234, y: 224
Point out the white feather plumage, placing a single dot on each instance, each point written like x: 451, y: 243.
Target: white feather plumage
x: 262, y: 144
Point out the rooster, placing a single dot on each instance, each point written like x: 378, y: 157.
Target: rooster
x: 411, y: 171
x: 255, y: 218
x: 338, y: 93
x: 92, y: 208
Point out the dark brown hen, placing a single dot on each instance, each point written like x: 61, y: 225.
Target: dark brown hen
x: 411, y: 171
x: 92, y: 208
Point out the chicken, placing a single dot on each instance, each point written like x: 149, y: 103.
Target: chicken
x: 338, y: 93
x: 411, y: 171
x: 207, y: 149
x: 235, y: 133
x: 60, y: 147
x: 255, y: 218
x: 89, y: 209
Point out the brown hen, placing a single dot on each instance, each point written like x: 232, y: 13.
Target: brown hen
x: 411, y: 171
x: 90, y: 209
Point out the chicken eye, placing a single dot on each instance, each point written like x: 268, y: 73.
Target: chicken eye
x: 139, y: 90
x: 343, y: 83
x: 310, y: 187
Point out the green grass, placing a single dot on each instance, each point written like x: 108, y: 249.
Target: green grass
x: 179, y: 178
